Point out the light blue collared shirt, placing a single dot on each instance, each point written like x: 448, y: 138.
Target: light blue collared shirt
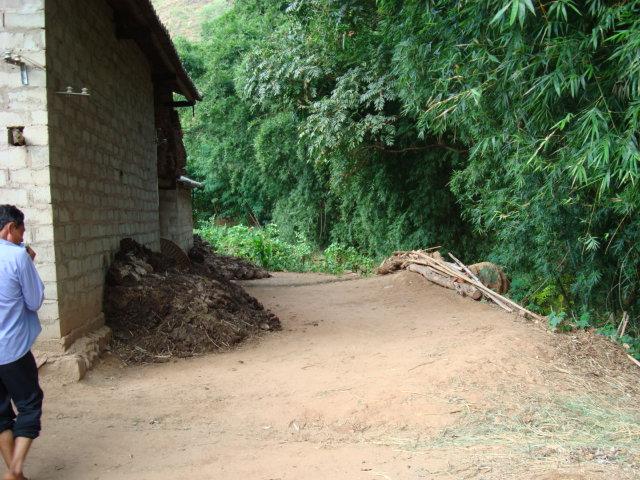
x: 21, y: 295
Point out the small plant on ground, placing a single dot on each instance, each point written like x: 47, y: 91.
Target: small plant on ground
x: 558, y: 322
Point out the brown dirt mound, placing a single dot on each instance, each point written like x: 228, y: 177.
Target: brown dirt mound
x: 158, y: 311
x: 206, y: 262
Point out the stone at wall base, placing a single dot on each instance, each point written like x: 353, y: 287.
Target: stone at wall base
x: 78, y: 359
x: 65, y: 369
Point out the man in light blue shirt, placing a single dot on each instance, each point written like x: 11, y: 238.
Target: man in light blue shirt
x: 21, y: 295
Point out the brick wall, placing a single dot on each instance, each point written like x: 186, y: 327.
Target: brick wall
x: 102, y: 151
x: 24, y: 170
x: 176, y: 218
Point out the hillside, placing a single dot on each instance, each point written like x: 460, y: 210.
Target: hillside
x: 183, y: 18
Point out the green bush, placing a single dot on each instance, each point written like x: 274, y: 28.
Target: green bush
x: 265, y: 247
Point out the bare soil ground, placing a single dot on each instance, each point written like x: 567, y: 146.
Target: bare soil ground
x: 378, y: 378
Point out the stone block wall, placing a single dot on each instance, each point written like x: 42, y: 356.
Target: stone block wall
x: 24, y: 170
x: 168, y: 212
x: 176, y: 218
x: 102, y: 154
x: 184, y: 228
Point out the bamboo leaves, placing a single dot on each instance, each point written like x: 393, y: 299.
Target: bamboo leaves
x: 517, y: 11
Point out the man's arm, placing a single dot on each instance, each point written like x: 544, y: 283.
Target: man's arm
x: 30, y: 282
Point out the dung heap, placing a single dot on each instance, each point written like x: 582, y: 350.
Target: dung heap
x: 207, y: 262
x: 158, y: 310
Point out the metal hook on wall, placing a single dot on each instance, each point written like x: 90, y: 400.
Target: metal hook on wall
x: 21, y: 61
x: 18, y: 61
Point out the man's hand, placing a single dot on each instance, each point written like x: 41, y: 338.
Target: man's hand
x: 31, y: 253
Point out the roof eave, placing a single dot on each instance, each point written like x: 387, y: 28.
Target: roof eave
x: 156, y: 44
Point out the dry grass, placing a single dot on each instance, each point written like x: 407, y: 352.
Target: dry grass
x: 583, y: 417
x: 551, y: 422
x: 537, y: 436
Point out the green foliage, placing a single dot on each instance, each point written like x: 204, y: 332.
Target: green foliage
x: 630, y: 341
x: 584, y: 321
x: 558, y: 322
x: 262, y: 246
x: 298, y: 131
x: 220, y: 138
x: 543, y: 299
x: 550, y: 117
x: 266, y: 247
x: 504, y: 129
x: 337, y: 258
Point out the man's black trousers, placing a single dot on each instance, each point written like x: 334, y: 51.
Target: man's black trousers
x: 19, y: 382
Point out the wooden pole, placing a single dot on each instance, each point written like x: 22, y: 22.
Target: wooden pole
x: 490, y: 293
x: 445, y: 281
x: 472, y: 275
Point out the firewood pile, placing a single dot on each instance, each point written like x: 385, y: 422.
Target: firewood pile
x: 477, y: 281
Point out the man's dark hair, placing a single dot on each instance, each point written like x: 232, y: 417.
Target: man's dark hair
x: 8, y: 214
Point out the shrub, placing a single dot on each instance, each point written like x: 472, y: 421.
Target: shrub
x: 265, y: 247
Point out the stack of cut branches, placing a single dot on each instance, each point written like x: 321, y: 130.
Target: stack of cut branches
x: 481, y: 280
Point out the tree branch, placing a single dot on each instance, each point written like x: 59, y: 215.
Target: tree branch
x: 382, y: 148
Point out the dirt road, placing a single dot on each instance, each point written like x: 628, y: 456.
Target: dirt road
x: 378, y: 378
